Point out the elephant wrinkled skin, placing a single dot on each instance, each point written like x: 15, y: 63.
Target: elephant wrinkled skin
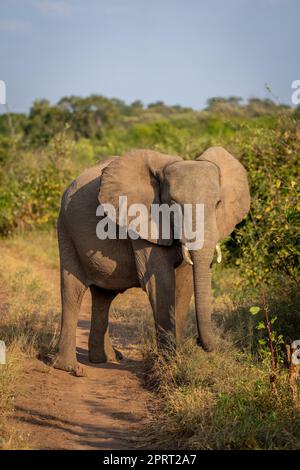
x: 215, y: 179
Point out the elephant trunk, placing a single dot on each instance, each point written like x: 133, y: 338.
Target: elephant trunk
x: 202, y: 260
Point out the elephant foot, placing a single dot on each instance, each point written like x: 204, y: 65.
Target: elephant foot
x: 97, y: 357
x: 208, y: 346
x: 71, y: 365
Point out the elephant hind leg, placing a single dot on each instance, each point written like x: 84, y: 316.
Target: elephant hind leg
x: 100, y: 347
x: 72, y: 291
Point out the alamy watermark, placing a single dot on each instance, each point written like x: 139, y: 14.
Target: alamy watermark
x: 162, y: 221
x: 2, y: 92
x: 296, y: 94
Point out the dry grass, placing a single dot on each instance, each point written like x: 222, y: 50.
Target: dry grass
x: 29, y: 314
x: 222, y: 400
x: 219, y: 400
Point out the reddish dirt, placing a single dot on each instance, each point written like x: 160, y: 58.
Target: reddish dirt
x: 103, y: 410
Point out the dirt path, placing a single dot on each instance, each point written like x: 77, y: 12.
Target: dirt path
x: 101, y: 411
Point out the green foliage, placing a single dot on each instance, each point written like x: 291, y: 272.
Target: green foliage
x: 268, y: 338
x: 30, y: 192
x: 269, y: 240
x: 254, y: 310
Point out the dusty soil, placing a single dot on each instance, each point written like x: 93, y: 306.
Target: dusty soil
x: 103, y: 410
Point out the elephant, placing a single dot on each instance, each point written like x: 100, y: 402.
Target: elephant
x: 165, y: 269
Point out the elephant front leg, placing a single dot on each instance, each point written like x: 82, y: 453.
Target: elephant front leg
x: 161, y: 292
x: 184, y: 292
x: 100, y: 347
x: 155, y: 266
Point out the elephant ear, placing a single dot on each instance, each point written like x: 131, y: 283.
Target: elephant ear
x: 136, y: 176
x: 234, y: 201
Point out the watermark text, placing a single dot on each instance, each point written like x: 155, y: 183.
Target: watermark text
x: 160, y: 222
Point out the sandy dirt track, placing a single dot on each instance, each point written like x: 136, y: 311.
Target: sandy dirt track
x: 103, y: 410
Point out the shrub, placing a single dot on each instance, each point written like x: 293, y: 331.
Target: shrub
x: 269, y: 239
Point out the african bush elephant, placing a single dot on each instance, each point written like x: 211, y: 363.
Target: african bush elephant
x: 165, y: 272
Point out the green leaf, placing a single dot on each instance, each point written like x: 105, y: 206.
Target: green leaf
x: 254, y: 310
x: 273, y: 336
x: 260, y: 326
x: 273, y: 320
x: 262, y: 342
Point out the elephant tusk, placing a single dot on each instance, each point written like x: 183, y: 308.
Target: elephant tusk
x: 186, y: 255
x: 219, y: 253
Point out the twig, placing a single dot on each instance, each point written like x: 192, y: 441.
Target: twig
x: 273, y: 375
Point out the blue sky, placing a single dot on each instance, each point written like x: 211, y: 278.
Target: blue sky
x: 178, y: 51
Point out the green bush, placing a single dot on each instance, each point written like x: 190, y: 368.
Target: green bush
x: 269, y: 239
x: 31, y: 188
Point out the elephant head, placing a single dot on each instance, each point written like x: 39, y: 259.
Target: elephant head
x: 215, y: 179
